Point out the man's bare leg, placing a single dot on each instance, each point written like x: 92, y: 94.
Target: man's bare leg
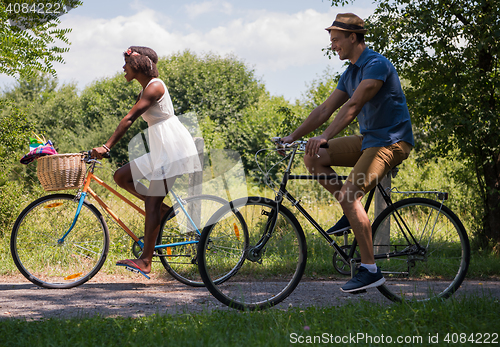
x: 321, y: 166
x: 350, y: 199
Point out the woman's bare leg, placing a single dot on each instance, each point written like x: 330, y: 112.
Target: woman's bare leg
x: 124, y: 178
x: 155, y: 210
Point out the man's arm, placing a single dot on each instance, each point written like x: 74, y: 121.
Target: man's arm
x: 365, y: 91
x: 319, y: 115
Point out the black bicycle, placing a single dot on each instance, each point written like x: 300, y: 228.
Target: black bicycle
x: 420, y: 245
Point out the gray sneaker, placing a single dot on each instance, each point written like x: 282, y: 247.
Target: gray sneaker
x: 341, y: 227
x: 364, y: 279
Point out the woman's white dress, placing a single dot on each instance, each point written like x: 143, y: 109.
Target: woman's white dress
x: 172, y: 149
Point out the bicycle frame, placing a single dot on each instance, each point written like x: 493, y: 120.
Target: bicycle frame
x: 284, y: 193
x: 87, y: 190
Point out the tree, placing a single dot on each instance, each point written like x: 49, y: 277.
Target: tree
x: 319, y: 90
x: 28, y: 32
x: 14, y: 131
x: 54, y: 109
x: 103, y: 104
x: 448, y: 50
x: 216, y: 88
x: 26, y: 48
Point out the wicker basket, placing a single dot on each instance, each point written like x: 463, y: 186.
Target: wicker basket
x: 61, y: 171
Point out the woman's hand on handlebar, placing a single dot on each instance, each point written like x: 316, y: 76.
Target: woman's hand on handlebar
x: 313, y: 145
x: 99, y: 153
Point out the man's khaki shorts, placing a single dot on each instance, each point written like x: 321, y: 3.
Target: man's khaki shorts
x: 369, y: 166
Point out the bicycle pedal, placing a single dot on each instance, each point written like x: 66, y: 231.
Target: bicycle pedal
x: 341, y: 232
x: 131, y: 269
x: 358, y: 291
x: 136, y: 271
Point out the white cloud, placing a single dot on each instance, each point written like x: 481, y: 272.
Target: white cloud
x: 273, y: 43
x: 270, y: 41
x: 98, y: 44
x: 197, y: 9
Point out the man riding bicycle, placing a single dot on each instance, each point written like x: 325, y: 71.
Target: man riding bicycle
x: 370, y: 90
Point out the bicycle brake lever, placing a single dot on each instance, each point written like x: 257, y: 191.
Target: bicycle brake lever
x: 106, y: 155
x: 280, y: 146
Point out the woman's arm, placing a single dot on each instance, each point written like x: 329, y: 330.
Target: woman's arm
x: 150, y: 95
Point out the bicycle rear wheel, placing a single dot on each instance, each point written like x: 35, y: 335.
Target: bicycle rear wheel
x: 255, y: 279
x: 181, y: 261
x: 41, y: 255
x: 433, y: 266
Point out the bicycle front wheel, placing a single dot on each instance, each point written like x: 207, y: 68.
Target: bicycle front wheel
x: 178, y: 227
x: 259, y: 273
x: 422, y: 249
x: 46, y: 259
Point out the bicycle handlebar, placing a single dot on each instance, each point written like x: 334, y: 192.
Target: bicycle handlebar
x: 299, y: 143
x: 88, y: 156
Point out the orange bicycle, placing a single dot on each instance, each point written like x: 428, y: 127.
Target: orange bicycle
x: 62, y: 240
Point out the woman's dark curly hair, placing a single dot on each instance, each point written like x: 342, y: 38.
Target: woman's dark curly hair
x: 143, y: 59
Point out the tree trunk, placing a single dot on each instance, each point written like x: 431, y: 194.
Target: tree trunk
x: 384, y: 231
x: 492, y: 201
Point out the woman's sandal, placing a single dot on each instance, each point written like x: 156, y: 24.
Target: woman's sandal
x: 134, y: 268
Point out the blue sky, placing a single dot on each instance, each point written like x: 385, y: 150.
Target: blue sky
x: 280, y: 40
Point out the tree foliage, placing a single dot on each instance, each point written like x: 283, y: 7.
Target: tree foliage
x: 103, y: 104
x: 14, y: 130
x: 216, y: 88
x: 29, y: 34
x: 318, y: 91
x: 448, y: 50
x: 28, y: 41
x: 54, y: 110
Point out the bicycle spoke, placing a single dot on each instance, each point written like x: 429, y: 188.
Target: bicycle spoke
x: 262, y: 275
x: 435, y: 267
x: 42, y: 259
x: 181, y: 260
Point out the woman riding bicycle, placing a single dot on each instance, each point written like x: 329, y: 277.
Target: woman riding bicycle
x: 173, y: 152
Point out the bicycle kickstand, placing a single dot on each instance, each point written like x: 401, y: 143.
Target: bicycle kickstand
x: 353, y: 267
x: 353, y: 271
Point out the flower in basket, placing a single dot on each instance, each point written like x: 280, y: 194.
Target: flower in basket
x: 35, y: 143
x: 40, y: 151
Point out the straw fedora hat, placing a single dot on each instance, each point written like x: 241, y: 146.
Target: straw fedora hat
x: 348, y: 22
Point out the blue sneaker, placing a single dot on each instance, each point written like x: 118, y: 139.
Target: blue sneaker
x: 363, y: 280
x: 340, y: 227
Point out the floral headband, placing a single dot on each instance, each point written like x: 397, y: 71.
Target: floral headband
x: 129, y: 53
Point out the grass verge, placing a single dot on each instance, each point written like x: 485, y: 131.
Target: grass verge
x: 465, y: 321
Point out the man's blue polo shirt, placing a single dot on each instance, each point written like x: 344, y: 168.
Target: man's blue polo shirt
x: 384, y: 119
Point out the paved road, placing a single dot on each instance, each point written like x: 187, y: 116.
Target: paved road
x: 129, y: 297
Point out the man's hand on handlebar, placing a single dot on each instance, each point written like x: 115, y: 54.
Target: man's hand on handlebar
x: 314, y: 144
x: 280, y: 144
